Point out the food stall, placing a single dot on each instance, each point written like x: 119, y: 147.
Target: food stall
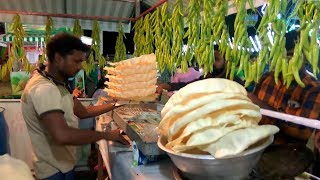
x: 163, y: 33
x: 195, y: 133
x: 39, y: 20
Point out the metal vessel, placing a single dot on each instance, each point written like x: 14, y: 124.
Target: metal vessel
x: 207, y: 167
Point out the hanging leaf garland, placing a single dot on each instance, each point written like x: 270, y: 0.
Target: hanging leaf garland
x: 309, y: 16
x: 89, y: 66
x: 77, y: 30
x: 158, y: 27
x: 193, y: 32
x: 120, y: 46
x: 138, y: 38
x: 49, y: 27
x: 241, y: 39
x: 17, y: 50
x: 264, y: 54
x: 166, y: 39
x: 204, y: 53
x: 177, y: 33
x: 148, y: 43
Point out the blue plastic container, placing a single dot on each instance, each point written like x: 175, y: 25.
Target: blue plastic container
x: 4, y: 148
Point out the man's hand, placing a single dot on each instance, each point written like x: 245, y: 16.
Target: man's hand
x: 115, y: 135
x: 77, y: 92
x: 317, y: 140
x: 161, y: 87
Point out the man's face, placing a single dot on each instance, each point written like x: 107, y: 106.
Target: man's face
x: 219, y: 61
x: 71, y: 64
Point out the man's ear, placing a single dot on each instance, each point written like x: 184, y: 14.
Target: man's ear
x: 57, y: 58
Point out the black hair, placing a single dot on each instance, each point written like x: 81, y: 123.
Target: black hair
x: 42, y: 67
x: 254, y: 55
x: 291, y: 38
x: 64, y: 44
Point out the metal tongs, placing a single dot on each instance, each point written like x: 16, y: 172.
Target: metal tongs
x: 312, y: 123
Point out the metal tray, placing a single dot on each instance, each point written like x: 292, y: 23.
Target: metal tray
x: 140, y: 123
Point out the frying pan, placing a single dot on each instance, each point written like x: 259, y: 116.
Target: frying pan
x: 283, y: 161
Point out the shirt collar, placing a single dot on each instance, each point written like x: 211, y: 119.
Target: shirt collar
x: 55, y: 81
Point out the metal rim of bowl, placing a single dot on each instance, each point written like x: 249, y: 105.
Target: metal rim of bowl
x: 265, y: 144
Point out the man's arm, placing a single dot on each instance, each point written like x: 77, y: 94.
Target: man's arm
x: 174, y: 86
x: 62, y: 134
x: 170, y: 86
x: 91, y: 111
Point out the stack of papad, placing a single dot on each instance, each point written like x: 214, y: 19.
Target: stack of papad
x: 133, y: 79
x: 214, y: 116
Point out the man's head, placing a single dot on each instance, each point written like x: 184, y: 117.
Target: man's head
x: 291, y: 38
x: 65, y: 53
x: 218, y: 65
x: 219, y: 60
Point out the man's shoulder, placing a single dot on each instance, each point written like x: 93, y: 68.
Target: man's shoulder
x: 311, y: 81
x: 39, y: 82
x: 266, y: 76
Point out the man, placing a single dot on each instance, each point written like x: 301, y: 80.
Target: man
x: 51, y: 113
x: 295, y: 100
x: 304, y: 102
x: 219, y: 71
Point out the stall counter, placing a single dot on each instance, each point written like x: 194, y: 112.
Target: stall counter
x: 118, y: 161
x: 19, y: 140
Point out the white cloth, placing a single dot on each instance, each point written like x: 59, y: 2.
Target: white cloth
x: 14, y: 169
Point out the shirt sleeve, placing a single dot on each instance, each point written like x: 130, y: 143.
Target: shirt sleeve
x: 179, y: 85
x: 46, y: 98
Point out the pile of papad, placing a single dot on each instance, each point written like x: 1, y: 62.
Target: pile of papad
x: 133, y: 79
x: 214, y: 116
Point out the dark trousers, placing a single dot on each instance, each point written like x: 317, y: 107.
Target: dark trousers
x: 62, y: 176
x: 316, y: 164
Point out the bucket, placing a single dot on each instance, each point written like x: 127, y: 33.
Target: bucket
x: 4, y: 147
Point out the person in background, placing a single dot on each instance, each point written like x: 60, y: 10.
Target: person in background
x: 100, y: 87
x: 51, y: 112
x: 219, y: 71
x: 91, y: 81
x: 180, y: 77
x: 295, y: 100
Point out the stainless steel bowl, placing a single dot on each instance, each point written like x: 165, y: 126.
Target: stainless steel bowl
x: 207, y: 167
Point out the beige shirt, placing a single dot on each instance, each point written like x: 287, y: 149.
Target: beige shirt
x: 41, y: 96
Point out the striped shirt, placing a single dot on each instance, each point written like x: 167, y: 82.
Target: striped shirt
x: 303, y: 102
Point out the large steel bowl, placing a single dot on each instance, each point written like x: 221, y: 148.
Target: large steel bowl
x: 207, y: 167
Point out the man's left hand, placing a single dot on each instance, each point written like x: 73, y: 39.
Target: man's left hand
x: 77, y: 92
